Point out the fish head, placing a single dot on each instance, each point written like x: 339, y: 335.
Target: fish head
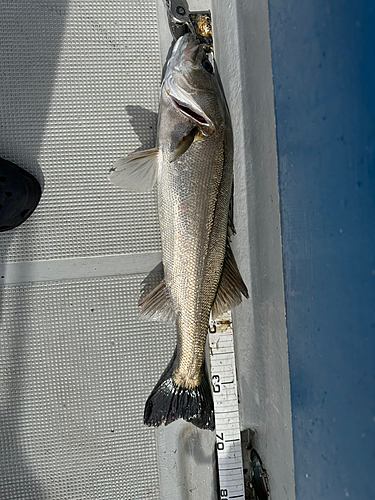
x: 191, y: 86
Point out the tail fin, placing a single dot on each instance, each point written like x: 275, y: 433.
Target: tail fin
x: 169, y: 402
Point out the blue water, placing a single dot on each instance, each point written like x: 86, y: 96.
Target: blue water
x: 323, y: 58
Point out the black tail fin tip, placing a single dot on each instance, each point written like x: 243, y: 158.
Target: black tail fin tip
x: 169, y: 402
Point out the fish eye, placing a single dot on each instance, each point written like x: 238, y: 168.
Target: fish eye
x: 207, y: 65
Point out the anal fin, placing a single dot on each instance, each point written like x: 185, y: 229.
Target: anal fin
x: 155, y: 302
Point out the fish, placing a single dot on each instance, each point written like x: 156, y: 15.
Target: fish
x: 192, y: 166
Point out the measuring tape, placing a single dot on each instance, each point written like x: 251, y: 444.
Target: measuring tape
x: 228, y: 435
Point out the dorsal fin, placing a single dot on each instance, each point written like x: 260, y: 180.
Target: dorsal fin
x: 231, y: 286
x: 231, y: 228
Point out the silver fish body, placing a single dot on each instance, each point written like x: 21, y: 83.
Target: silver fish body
x: 193, y: 197
x: 194, y: 163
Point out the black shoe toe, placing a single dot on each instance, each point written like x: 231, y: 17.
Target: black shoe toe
x: 20, y: 193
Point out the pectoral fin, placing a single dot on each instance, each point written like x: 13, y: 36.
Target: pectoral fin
x: 184, y: 144
x: 231, y: 286
x: 136, y: 172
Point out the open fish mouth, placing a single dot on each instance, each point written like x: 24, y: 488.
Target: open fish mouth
x: 179, y: 87
x: 185, y: 103
x: 190, y: 113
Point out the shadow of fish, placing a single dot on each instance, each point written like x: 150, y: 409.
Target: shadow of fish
x: 192, y: 165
